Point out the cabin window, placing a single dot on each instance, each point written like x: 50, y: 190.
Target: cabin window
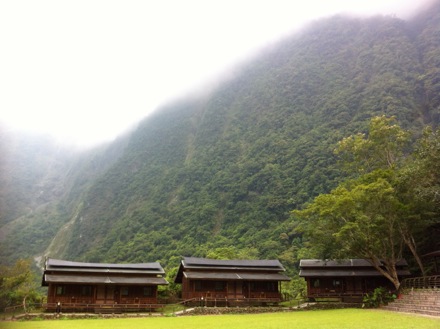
x: 86, y: 291
x: 198, y: 285
x: 336, y: 283
x: 61, y: 290
x: 316, y: 283
x: 264, y: 286
x: 148, y: 291
x: 271, y: 286
x: 219, y: 286
x: 124, y: 291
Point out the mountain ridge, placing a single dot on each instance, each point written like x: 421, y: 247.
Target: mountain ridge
x: 224, y: 170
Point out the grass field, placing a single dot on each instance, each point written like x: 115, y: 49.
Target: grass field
x: 328, y: 319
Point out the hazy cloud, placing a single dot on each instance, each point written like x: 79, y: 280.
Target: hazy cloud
x: 86, y: 70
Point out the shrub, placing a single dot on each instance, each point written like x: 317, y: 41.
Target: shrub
x: 380, y: 296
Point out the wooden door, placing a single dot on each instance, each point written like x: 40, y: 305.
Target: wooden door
x: 246, y: 289
x: 235, y: 290
x: 105, y: 295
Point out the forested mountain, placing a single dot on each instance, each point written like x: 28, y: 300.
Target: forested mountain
x: 41, y: 186
x: 221, y: 172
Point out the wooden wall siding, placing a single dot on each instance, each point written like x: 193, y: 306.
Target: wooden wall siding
x: 230, y: 289
x: 102, y: 294
x: 82, y: 286
x: 344, y: 286
x: 239, y: 280
x: 345, y: 278
x: 69, y: 294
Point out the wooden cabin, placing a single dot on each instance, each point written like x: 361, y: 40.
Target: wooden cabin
x: 97, y: 286
x: 211, y: 281
x: 344, y: 280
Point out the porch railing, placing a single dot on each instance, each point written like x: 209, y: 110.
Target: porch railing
x: 100, y: 308
x: 427, y: 282
x: 81, y: 307
x: 225, y: 301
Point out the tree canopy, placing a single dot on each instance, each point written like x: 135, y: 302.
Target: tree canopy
x: 17, y: 284
x: 218, y: 172
x: 373, y: 215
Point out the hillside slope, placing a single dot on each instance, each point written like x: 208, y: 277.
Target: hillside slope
x: 224, y: 170
x: 41, y: 187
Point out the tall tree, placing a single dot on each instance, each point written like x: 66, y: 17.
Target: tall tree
x: 425, y: 173
x: 17, y: 284
x: 360, y: 218
x: 420, y: 185
x: 386, y: 147
x: 382, y: 148
x: 367, y: 216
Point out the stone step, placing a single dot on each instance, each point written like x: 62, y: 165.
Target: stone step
x: 432, y: 298
x: 416, y: 301
x: 411, y: 301
x: 411, y: 307
x: 420, y: 304
x: 413, y: 310
x: 413, y: 295
x: 435, y: 306
x: 420, y: 297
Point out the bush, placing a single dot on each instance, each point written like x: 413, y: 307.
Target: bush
x: 380, y: 296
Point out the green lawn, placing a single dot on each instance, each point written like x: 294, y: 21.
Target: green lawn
x: 328, y: 319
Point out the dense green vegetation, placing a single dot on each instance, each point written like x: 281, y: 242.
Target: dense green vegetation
x: 218, y: 174
x: 348, y: 318
x: 41, y: 188
x: 17, y: 285
x: 382, y: 209
x: 225, y: 170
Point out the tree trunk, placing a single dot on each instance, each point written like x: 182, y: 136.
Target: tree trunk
x: 409, y: 241
x: 390, y: 273
x: 24, y: 304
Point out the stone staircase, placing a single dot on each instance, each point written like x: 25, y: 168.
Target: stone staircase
x: 421, y: 301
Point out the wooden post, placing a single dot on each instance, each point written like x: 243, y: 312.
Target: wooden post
x: 279, y: 290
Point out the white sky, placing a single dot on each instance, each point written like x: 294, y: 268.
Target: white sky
x: 86, y: 70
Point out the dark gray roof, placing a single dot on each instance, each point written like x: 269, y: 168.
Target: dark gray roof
x: 268, y: 264
x: 341, y: 263
x: 344, y: 268
x: 54, y: 278
x: 228, y: 269
x: 62, y: 271
x: 230, y: 276
x: 57, y: 264
x: 346, y: 273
